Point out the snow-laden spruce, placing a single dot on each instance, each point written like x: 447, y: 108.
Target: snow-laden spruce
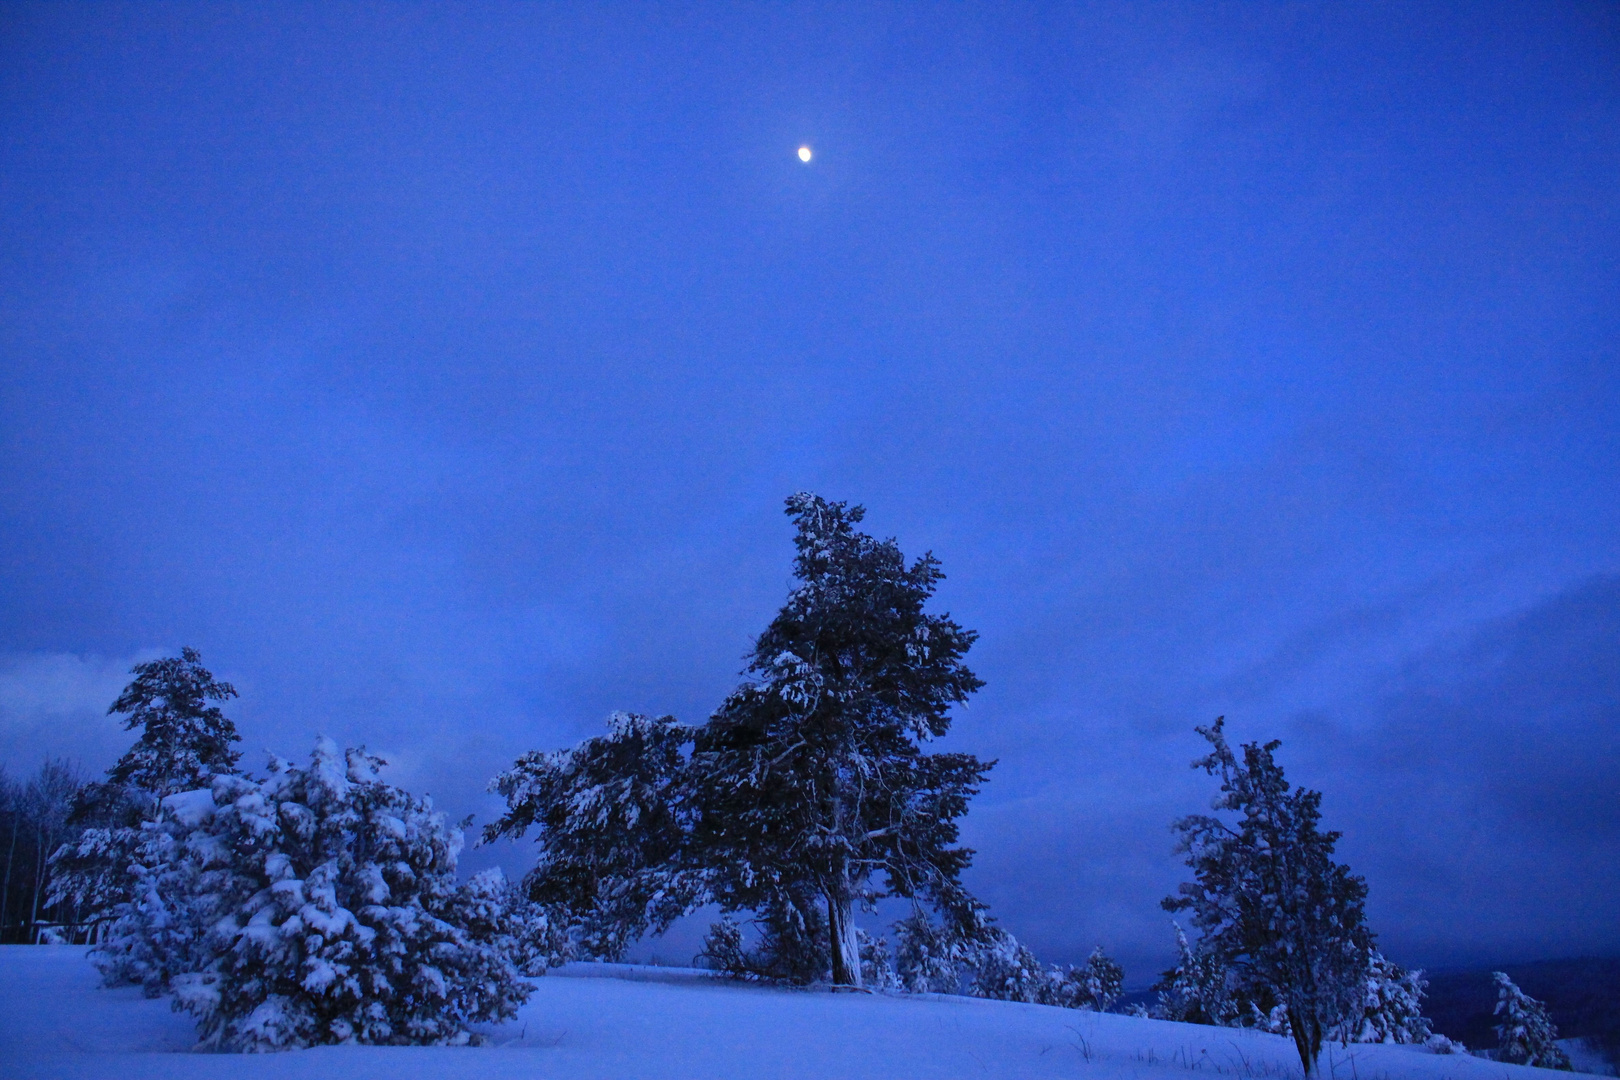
x: 1391, y: 1005
x: 610, y: 817
x: 179, y: 885
x: 319, y: 905
x: 808, y: 792
x: 107, y: 870
x: 1525, y: 1033
x: 1280, y: 921
x: 1196, y: 990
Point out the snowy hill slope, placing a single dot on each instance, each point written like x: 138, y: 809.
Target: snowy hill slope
x: 613, y: 1021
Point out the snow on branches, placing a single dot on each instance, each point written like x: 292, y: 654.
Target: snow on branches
x: 1525, y: 1034
x: 807, y: 793
x: 1281, y: 919
x: 611, y: 821
x: 319, y: 905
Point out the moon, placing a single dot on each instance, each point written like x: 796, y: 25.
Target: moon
x: 804, y: 154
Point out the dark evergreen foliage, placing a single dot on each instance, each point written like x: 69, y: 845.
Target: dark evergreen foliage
x: 1103, y: 981
x: 184, y: 743
x: 609, y: 821
x: 1525, y: 1034
x: 807, y: 792
x: 810, y: 779
x: 184, y: 740
x: 1283, y: 920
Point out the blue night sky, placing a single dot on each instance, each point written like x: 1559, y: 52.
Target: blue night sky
x: 439, y: 373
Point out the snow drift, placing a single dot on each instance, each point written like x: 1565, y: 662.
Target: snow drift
x: 590, y: 1021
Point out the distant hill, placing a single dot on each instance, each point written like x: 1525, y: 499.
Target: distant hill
x: 1582, y: 996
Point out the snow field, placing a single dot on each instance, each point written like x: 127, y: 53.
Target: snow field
x: 622, y: 1022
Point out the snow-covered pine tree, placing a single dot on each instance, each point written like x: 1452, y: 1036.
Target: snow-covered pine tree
x: 608, y: 818
x: 810, y: 779
x: 1525, y: 1033
x: 1391, y: 1005
x: 1196, y: 990
x: 1272, y: 906
x: 1104, y: 981
x: 184, y: 742
x: 496, y: 912
x: 352, y: 928
x: 181, y: 885
x: 877, y: 964
x: 91, y: 871
x: 1005, y: 970
x: 928, y: 958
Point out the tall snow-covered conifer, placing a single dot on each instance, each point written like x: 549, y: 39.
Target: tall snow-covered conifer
x: 810, y: 781
x: 1283, y: 920
x: 184, y: 740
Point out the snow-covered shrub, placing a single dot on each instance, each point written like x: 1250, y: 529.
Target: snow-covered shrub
x: 496, y: 912
x: 791, y: 946
x: 723, y: 949
x: 1440, y: 1044
x: 988, y: 962
x: 928, y: 958
x: 1005, y: 970
x: 1525, y: 1033
x: 1103, y: 979
x: 1273, y: 1021
x: 351, y: 927
x: 877, y: 966
x: 1392, y: 1010
x: 1196, y: 990
x: 179, y: 885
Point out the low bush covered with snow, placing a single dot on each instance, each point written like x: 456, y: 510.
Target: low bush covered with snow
x: 319, y: 905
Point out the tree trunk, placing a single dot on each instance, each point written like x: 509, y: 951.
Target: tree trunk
x: 1307, y: 1038
x: 846, y: 947
x: 5, y: 893
x: 39, y: 883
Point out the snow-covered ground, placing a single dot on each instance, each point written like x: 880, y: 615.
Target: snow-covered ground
x: 593, y: 1021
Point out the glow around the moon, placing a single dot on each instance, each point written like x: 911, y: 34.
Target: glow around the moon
x: 804, y: 154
